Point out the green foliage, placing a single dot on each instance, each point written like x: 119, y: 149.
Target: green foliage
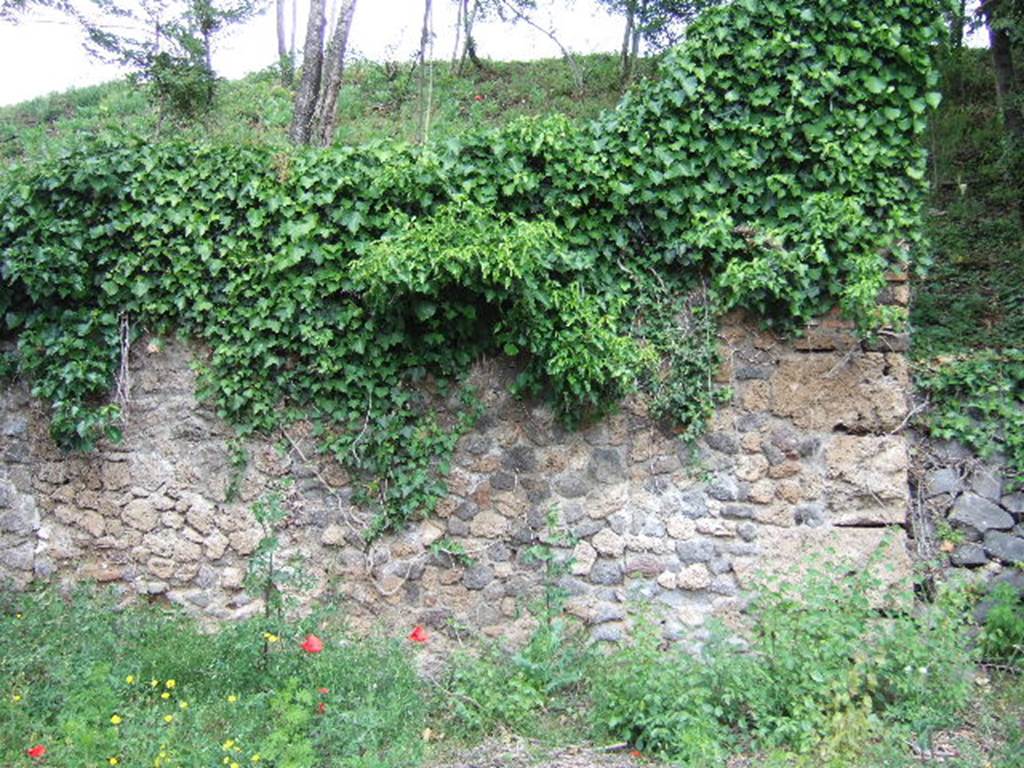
x: 777, y: 155
x: 823, y: 673
x: 1002, y: 636
x: 70, y: 664
x: 978, y: 399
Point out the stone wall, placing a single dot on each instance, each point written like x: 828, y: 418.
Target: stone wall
x: 810, y: 455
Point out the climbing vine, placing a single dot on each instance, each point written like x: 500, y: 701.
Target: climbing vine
x: 775, y: 162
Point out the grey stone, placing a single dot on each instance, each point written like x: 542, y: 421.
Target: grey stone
x: 939, y: 481
x: 499, y: 553
x: 477, y: 444
x: 478, y: 577
x: 572, y: 586
x: 719, y: 565
x: 987, y: 483
x: 950, y: 451
x: 22, y: 518
x: 503, y: 481
x: 608, y: 633
x: 520, y: 459
x: 645, y: 565
x: 723, y: 442
x: 586, y: 528
x: 724, y: 488
x: 458, y: 527
x: 738, y: 513
x: 19, y: 557
x: 1013, y: 503
x: 43, y: 568
x: 571, y: 485
x: 749, y: 422
x: 608, y: 612
x: 751, y: 372
x: 7, y: 494
x: 1009, y: 549
x: 523, y: 535
x: 14, y: 426
x: 467, y: 510
x: 537, y: 489
x: 786, y: 439
x: 606, y: 466
x: 747, y: 531
x: 968, y: 555
x: 724, y: 584
x: 979, y: 514
x: 811, y: 515
x: 697, y: 551
x: 606, y: 572
x: 692, y: 505
x: 774, y: 455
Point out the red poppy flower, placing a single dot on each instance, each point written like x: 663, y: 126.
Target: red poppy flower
x: 636, y: 753
x: 321, y: 708
x: 479, y: 97
x: 418, y: 635
x: 324, y: 690
x: 312, y: 644
x: 36, y: 752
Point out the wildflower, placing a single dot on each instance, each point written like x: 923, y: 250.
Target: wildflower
x: 636, y: 753
x: 16, y: 698
x: 255, y: 758
x: 165, y: 695
x: 418, y: 634
x: 227, y: 744
x: 170, y: 683
x: 234, y: 765
x: 321, y: 708
x: 168, y: 718
x: 182, y: 705
x: 226, y: 760
x: 312, y: 644
x: 270, y: 637
x: 154, y: 683
x: 36, y: 752
x: 116, y: 719
x: 21, y: 616
x: 113, y: 761
x: 130, y: 679
x: 232, y: 698
x: 324, y: 690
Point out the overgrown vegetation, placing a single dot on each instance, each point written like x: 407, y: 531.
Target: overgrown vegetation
x: 968, y: 312
x: 315, y: 280
x: 824, y: 678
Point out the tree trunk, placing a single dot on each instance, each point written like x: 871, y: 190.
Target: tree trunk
x: 309, y: 84
x: 469, y: 44
x: 1009, y: 98
x: 426, y: 74
x: 462, y: 8
x: 325, y: 119
x: 624, y: 66
x: 1006, y: 77
x: 283, y: 57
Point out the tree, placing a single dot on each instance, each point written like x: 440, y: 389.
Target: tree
x: 1005, y: 22
x: 658, y: 24
x: 316, y: 99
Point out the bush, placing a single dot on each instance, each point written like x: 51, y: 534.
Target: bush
x: 1002, y: 635
x: 824, y: 672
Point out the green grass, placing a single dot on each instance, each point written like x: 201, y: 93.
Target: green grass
x: 376, y: 101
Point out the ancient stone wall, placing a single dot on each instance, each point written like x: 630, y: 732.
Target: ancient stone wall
x: 809, y: 455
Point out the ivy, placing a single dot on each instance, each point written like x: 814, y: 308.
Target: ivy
x: 775, y: 161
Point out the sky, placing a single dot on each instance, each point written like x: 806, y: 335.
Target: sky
x: 43, y: 52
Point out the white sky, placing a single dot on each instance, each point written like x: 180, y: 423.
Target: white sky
x: 43, y: 52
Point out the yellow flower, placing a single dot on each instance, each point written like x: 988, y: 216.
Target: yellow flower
x: 228, y: 744
x: 271, y: 637
x: 183, y: 705
x: 165, y: 695
x: 255, y: 758
x: 168, y: 718
x: 171, y: 683
x: 232, y: 699
x: 116, y: 719
x: 226, y: 760
x: 130, y: 679
x: 16, y: 698
x: 154, y: 683
x: 234, y: 765
x: 18, y: 616
x: 113, y: 761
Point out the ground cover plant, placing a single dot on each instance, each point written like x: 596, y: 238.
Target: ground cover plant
x: 822, y: 678
x: 283, y: 263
